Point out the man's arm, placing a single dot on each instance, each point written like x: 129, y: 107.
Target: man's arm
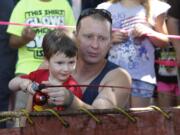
x: 19, y: 83
x: 107, y: 98
x: 110, y: 97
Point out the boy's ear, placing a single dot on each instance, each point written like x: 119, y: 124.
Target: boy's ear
x: 45, y: 64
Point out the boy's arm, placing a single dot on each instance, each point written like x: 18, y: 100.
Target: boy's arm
x: 19, y: 83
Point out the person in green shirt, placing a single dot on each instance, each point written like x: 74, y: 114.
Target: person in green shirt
x: 28, y: 40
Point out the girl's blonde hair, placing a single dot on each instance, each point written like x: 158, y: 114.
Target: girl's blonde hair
x: 147, y: 5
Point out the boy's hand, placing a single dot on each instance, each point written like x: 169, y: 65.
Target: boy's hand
x: 59, y: 96
x: 29, y: 86
x: 24, y: 85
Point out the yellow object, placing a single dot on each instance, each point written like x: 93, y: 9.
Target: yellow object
x: 38, y: 108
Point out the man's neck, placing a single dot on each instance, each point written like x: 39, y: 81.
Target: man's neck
x: 87, y: 72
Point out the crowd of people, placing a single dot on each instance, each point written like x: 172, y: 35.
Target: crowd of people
x: 109, y: 56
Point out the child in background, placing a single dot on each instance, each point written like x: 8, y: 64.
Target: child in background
x: 133, y: 48
x: 60, y: 52
x: 167, y: 85
x: 173, y: 25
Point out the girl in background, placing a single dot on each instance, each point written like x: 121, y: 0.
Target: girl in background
x: 138, y: 26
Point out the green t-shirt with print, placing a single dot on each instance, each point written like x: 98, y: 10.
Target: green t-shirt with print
x: 53, y: 12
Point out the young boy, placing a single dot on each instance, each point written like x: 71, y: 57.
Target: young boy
x: 60, y: 53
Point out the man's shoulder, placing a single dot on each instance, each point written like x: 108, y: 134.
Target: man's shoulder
x: 116, y: 72
x: 111, y: 65
x: 114, y: 67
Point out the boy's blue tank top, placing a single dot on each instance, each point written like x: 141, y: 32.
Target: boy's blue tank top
x: 91, y: 92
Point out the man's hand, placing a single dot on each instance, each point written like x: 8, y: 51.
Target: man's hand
x: 59, y: 96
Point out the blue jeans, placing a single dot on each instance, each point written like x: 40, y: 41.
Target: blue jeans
x: 142, y: 89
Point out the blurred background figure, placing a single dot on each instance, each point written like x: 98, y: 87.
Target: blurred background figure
x: 76, y: 6
x: 79, y: 5
x: 7, y: 56
x: 90, y: 3
x: 167, y: 86
x: 173, y: 24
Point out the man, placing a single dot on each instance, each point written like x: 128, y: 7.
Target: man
x: 93, y: 35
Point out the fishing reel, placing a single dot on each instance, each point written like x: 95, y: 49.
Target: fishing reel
x: 39, y: 98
